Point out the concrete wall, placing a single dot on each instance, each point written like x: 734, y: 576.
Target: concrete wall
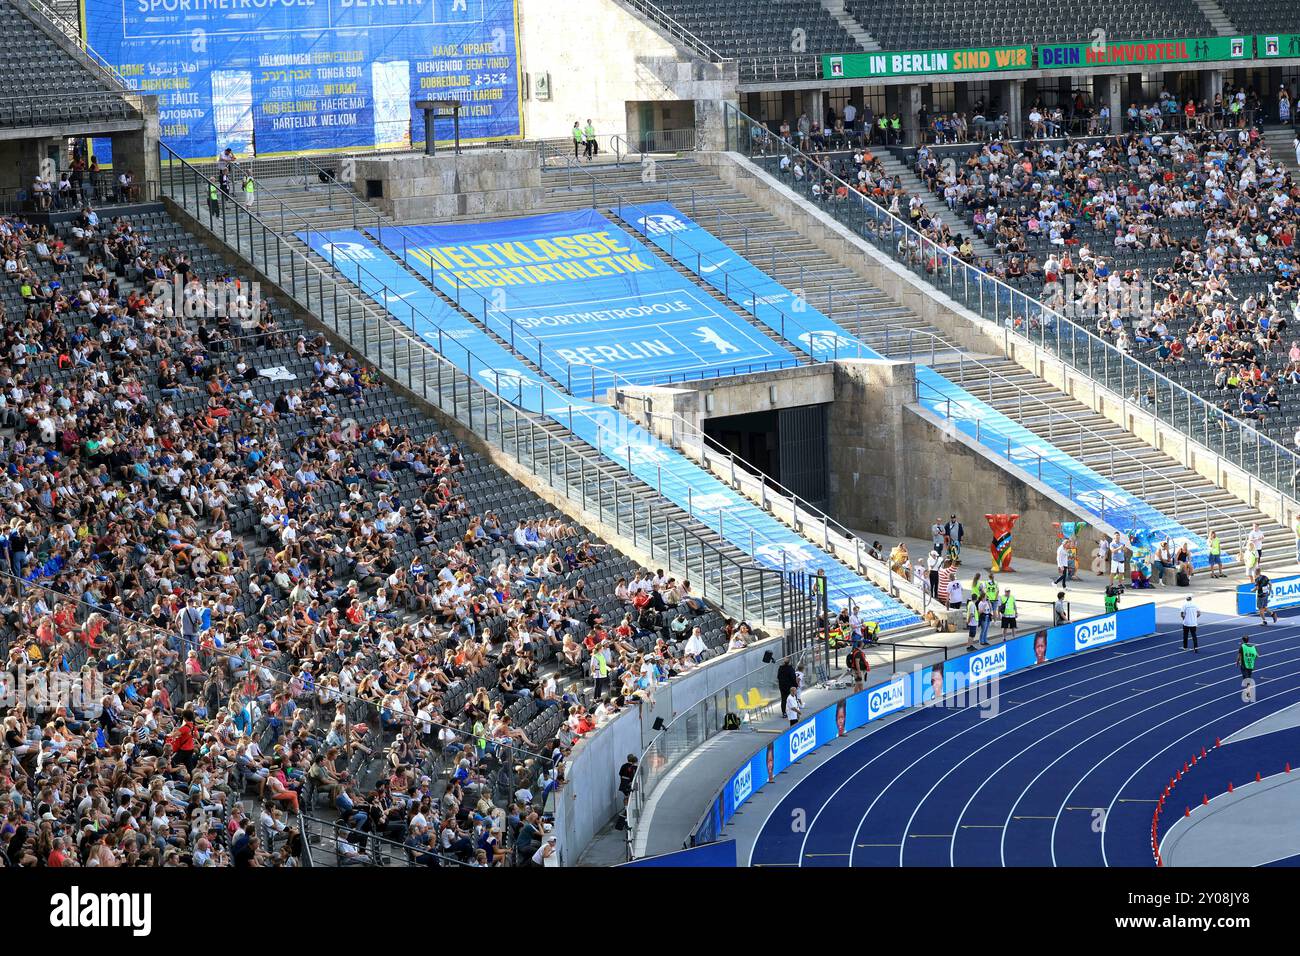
x: 895, y: 468
x: 656, y: 405
x: 419, y: 188
x: 633, y: 60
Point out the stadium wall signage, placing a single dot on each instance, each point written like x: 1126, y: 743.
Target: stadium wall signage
x: 1060, y: 56
x: 922, y: 62
x: 923, y: 686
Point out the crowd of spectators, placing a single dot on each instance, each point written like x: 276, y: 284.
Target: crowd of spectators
x: 258, y: 596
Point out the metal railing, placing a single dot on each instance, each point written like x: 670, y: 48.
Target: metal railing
x: 66, y: 109
x: 71, y: 31
x: 751, y: 697
x: 651, y: 12
x: 776, y: 68
x: 1265, y: 462
x: 704, y: 832
x: 653, y: 141
x: 562, y: 463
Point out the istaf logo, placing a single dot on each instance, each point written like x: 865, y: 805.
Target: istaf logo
x: 743, y: 785
x: 1092, y: 633
x: 987, y: 663
x: 886, y: 699
x: 659, y: 223
x: 802, y: 739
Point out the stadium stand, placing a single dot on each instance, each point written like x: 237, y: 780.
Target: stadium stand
x: 937, y: 24
x: 69, y: 91
x: 1227, y: 339
x: 751, y: 28
x: 242, y: 440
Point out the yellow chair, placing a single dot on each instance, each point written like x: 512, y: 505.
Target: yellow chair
x: 757, y: 700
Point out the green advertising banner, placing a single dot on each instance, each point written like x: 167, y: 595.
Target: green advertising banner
x: 1065, y: 56
x: 1268, y: 46
x: 922, y: 62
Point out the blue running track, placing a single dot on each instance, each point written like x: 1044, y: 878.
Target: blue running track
x: 1065, y: 773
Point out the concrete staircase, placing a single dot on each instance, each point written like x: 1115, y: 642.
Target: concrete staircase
x: 912, y: 184
x: 1218, y: 18
x: 1281, y: 146
x: 1161, y: 481
x: 851, y: 24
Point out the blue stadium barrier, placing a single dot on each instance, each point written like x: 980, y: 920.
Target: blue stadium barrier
x: 922, y: 687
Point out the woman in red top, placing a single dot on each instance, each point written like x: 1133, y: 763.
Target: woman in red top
x: 184, y: 741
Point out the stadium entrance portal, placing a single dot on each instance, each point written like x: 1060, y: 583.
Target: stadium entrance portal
x: 787, y: 444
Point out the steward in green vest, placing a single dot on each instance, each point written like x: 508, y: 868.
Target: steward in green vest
x: 589, y: 135
x: 214, y: 200
x: 578, y: 137
x: 1008, y: 615
x: 1246, y: 657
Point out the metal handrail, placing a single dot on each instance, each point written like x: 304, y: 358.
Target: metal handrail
x: 784, y: 596
x: 654, y: 14
x: 911, y: 247
x: 637, y: 792
x: 72, y: 32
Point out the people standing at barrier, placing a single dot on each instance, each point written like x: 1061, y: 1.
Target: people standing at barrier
x: 1216, y: 552
x: 985, y: 607
x: 1250, y: 562
x: 1060, y: 610
x: 1117, y: 547
x: 955, y: 532
x: 1007, y: 608
x: 1263, y: 594
x: 972, y: 620
x: 793, y: 705
x: 933, y: 562
x: 937, y: 536
x: 785, y: 679
x: 956, y: 596
x: 859, y: 667
x: 578, y: 139
x: 1255, y: 541
x: 589, y: 139
x: 1190, y: 615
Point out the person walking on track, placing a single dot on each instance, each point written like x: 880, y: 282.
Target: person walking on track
x: 1247, y: 655
x: 1191, y: 615
x: 1263, y: 594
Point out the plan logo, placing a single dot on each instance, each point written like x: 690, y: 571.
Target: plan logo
x: 802, y: 739
x: 77, y: 910
x: 886, y: 699
x: 1094, y: 633
x: 743, y: 786
x: 987, y: 663
x: 1285, y: 593
x: 661, y: 223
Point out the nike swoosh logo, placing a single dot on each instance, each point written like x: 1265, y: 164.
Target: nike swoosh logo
x: 715, y: 267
